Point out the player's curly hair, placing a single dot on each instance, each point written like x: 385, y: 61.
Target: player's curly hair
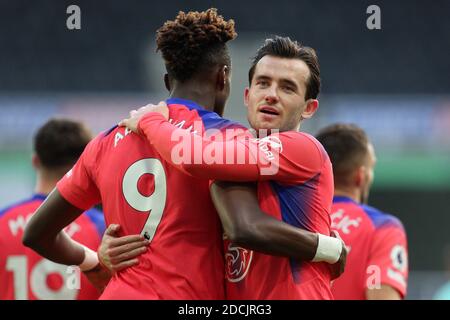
x: 194, y: 41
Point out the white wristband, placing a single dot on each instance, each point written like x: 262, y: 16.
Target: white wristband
x: 90, y: 259
x: 328, y: 249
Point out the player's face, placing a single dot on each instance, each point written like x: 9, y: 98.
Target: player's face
x: 276, y: 96
x: 370, y: 166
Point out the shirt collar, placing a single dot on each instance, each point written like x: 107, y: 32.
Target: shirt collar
x: 39, y: 196
x: 343, y: 199
x: 185, y: 102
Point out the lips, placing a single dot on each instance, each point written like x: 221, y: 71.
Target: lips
x: 269, y: 110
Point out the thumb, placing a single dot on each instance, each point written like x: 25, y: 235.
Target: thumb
x: 112, y: 229
x: 162, y: 104
x: 335, y: 234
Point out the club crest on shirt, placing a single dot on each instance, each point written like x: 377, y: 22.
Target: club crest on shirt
x: 237, y: 262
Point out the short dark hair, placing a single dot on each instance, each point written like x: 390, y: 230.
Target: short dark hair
x: 60, y: 142
x: 193, y: 41
x: 284, y: 47
x: 347, y: 147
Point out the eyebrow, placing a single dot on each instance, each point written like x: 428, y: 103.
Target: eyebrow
x: 283, y: 81
x: 289, y: 82
x: 262, y: 77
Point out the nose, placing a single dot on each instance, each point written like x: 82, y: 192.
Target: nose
x: 271, y: 95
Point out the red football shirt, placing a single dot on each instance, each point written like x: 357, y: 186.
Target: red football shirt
x: 144, y: 194
x: 378, y: 250
x: 295, y: 185
x: 24, y: 275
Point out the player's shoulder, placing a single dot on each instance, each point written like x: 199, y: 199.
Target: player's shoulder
x: 300, y: 137
x: 210, y: 119
x: 107, y: 139
x: 382, y: 219
x: 16, y: 206
x: 303, y: 141
x: 343, y: 205
x: 179, y: 108
x: 106, y: 135
x: 11, y: 207
x: 100, y: 139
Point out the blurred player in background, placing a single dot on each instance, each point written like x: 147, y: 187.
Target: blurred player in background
x: 284, y: 85
x: 377, y: 265
x: 24, y: 274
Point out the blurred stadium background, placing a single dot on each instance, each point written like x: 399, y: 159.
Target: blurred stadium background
x: 393, y: 82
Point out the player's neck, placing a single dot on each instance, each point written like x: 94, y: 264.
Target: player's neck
x: 44, y: 187
x: 199, y: 94
x: 45, y: 182
x: 349, y: 193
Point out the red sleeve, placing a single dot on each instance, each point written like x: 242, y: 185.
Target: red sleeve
x: 77, y: 186
x: 298, y: 158
x: 288, y: 156
x: 389, y: 254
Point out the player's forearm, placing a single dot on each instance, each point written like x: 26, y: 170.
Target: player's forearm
x: 247, y: 226
x: 271, y: 236
x: 199, y: 156
x: 59, y: 249
x: 44, y: 234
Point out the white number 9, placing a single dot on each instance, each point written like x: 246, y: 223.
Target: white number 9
x: 155, y: 202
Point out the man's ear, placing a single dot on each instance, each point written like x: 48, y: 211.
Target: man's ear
x: 246, y: 93
x: 167, y: 82
x: 360, y: 176
x: 311, y: 107
x: 222, y: 76
x: 35, y: 161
